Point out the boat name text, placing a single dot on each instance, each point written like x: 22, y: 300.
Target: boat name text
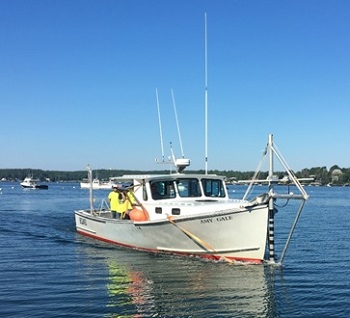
x: 218, y: 219
x: 82, y: 221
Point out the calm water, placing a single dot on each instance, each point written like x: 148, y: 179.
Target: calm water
x: 47, y: 270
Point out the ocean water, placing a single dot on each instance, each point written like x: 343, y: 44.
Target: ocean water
x: 48, y: 270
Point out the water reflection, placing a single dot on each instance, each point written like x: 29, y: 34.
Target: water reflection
x: 126, y: 287
x: 145, y: 285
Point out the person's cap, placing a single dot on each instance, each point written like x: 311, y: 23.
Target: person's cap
x: 115, y: 186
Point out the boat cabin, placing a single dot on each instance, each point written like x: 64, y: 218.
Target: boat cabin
x: 178, y: 194
x: 186, y: 187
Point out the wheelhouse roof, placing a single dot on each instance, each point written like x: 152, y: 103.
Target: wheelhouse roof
x: 149, y: 177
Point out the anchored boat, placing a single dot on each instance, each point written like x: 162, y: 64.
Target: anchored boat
x: 97, y: 184
x: 30, y: 183
x: 192, y: 215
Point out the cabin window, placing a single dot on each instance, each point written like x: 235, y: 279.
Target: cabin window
x: 213, y: 188
x: 158, y: 210
x: 188, y: 188
x: 162, y: 190
x: 175, y: 211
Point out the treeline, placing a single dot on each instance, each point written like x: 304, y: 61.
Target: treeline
x: 335, y: 175
x: 56, y: 176
x: 320, y: 175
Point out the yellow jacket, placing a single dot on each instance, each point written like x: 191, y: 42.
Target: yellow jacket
x: 117, y: 201
x: 130, y: 200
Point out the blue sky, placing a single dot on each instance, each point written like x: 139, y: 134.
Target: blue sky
x: 78, y: 82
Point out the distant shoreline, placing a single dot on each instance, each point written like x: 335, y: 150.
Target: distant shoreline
x: 320, y: 175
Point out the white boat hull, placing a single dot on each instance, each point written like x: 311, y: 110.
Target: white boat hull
x: 97, y: 185
x: 29, y: 183
x: 236, y: 234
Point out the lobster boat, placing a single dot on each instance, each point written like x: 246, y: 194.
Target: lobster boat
x: 193, y: 215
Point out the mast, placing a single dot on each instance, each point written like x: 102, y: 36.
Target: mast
x: 90, y: 188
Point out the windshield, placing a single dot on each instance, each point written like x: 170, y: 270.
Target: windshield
x: 188, y: 187
x: 213, y: 188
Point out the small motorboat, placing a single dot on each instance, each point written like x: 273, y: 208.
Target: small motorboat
x: 30, y: 183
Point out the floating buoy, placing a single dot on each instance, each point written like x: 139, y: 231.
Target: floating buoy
x: 137, y: 215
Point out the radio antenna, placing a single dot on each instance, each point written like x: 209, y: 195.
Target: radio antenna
x: 160, y: 126
x: 206, y: 92
x: 177, y: 124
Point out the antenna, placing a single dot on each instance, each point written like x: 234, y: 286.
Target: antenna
x: 206, y: 92
x: 181, y: 163
x: 160, y: 126
x: 177, y: 124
